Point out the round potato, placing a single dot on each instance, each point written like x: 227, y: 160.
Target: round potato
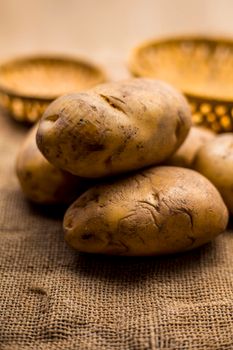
x: 157, y: 211
x: 215, y: 161
x: 40, y: 181
x: 114, y: 127
x: 185, y: 155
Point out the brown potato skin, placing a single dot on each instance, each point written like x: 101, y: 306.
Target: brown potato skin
x: 185, y: 155
x: 161, y: 210
x: 114, y: 128
x: 40, y: 181
x: 215, y: 161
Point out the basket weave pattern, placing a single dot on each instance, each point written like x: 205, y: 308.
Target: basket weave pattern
x: 202, y: 68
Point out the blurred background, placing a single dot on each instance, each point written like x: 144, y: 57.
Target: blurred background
x: 104, y: 28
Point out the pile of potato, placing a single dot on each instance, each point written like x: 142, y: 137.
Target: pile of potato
x: 116, y: 149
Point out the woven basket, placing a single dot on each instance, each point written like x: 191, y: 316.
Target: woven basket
x: 201, y: 67
x: 29, y: 85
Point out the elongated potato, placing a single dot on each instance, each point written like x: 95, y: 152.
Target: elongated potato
x: 215, y: 161
x: 157, y: 211
x: 40, y: 181
x: 186, y: 153
x: 114, y: 127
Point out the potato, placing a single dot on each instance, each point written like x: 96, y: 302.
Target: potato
x: 215, y: 161
x: 114, y: 128
x: 40, y: 181
x: 185, y: 155
x: 157, y: 211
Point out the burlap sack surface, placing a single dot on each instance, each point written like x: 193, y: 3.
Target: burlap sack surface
x: 52, y: 297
